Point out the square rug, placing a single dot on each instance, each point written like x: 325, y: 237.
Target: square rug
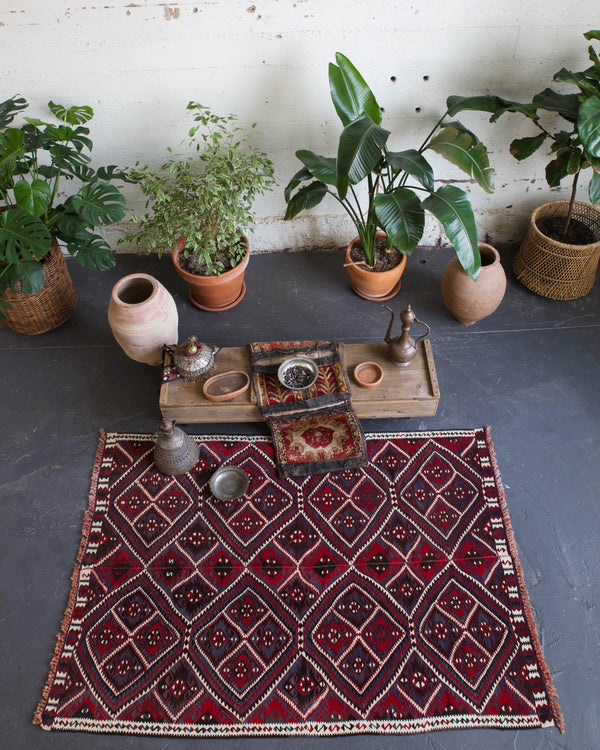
x: 381, y: 599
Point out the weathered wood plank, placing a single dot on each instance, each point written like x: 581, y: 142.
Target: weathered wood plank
x: 411, y: 391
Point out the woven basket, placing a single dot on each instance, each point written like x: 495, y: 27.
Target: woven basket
x: 50, y: 307
x: 555, y: 269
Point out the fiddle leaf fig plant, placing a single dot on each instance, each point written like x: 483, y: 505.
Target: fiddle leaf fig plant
x: 36, y: 159
x: 208, y: 200
x: 574, y: 146
x: 400, y: 184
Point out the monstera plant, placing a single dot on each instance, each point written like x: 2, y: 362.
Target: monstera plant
x: 37, y: 161
x: 400, y: 185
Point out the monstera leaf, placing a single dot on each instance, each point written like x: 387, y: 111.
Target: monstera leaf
x: 99, y: 203
x: 23, y: 236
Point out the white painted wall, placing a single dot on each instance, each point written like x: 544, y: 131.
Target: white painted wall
x: 139, y: 63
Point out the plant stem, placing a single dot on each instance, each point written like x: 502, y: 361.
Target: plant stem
x: 572, y: 201
x: 435, y: 127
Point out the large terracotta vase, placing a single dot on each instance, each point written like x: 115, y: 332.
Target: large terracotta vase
x: 373, y: 285
x: 214, y: 293
x: 468, y: 300
x: 48, y: 308
x: 142, y: 316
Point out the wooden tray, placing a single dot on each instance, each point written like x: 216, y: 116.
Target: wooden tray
x: 411, y: 391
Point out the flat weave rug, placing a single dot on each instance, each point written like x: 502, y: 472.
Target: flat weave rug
x: 383, y: 599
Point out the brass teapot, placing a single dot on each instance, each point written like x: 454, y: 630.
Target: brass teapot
x: 402, y: 349
x: 193, y: 359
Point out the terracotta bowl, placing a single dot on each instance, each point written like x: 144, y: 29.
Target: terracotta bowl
x: 368, y: 374
x: 226, y: 385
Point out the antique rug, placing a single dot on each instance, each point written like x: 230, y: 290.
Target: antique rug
x: 384, y: 599
x: 314, y: 429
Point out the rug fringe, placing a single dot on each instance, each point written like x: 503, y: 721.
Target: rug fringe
x: 512, y: 546
x: 64, y: 626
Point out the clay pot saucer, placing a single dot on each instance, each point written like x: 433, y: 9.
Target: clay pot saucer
x: 226, y: 385
x: 368, y: 374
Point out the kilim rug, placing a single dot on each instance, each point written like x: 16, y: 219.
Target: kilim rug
x: 384, y: 599
x: 315, y: 429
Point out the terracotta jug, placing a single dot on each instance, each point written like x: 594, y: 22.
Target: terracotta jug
x: 142, y: 316
x: 468, y: 300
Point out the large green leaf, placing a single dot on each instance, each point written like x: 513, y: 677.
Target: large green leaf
x: 92, y: 251
x: 99, y: 203
x: 494, y: 104
x: 67, y: 158
x: 521, y: 148
x: 567, y: 105
x: 301, y: 176
x: 594, y: 189
x: 412, y: 162
x: 22, y: 236
x: 451, y: 206
x: 30, y: 273
x: 588, y: 127
x: 461, y: 148
x: 33, y: 197
x: 75, y: 115
x: 308, y: 196
x: 567, y: 162
x: 9, y: 109
x: 321, y: 167
x: 350, y: 94
x: 11, y: 148
x: 359, y: 152
x: 592, y: 34
x: 402, y: 216
x: 578, y: 79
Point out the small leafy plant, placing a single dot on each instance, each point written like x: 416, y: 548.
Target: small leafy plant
x: 208, y: 200
x: 396, y: 180
x: 35, y: 159
x: 571, y: 150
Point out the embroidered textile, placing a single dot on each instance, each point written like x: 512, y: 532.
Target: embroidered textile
x: 384, y: 599
x: 314, y: 429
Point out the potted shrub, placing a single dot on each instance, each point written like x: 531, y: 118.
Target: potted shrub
x: 559, y: 255
x: 395, y: 183
x: 36, y: 159
x: 202, y: 207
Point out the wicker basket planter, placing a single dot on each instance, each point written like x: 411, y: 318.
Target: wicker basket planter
x: 50, y: 307
x: 554, y: 269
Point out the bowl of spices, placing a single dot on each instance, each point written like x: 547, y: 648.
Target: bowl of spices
x: 297, y: 373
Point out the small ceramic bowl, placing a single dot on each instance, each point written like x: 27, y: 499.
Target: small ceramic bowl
x: 226, y: 385
x: 298, y: 373
x: 228, y: 483
x: 368, y: 374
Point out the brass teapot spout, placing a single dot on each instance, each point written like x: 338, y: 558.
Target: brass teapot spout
x: 402, y: 349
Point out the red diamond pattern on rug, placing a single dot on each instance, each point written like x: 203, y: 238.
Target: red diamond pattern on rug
x: 382, y: 599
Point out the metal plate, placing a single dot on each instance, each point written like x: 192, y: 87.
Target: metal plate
x: 304, y: 369
x: 228, y: 483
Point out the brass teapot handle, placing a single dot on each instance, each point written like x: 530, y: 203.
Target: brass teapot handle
x: 424, y: 335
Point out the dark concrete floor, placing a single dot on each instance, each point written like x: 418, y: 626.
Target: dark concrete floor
x: 530, y: 371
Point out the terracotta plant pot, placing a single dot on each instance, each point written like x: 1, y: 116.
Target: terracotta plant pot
x: 374, y: 285
x: 48, y: 308
x: 468, y: 300
x: 554, y: 269
x: 142, y: 316
x: 214, y: 293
